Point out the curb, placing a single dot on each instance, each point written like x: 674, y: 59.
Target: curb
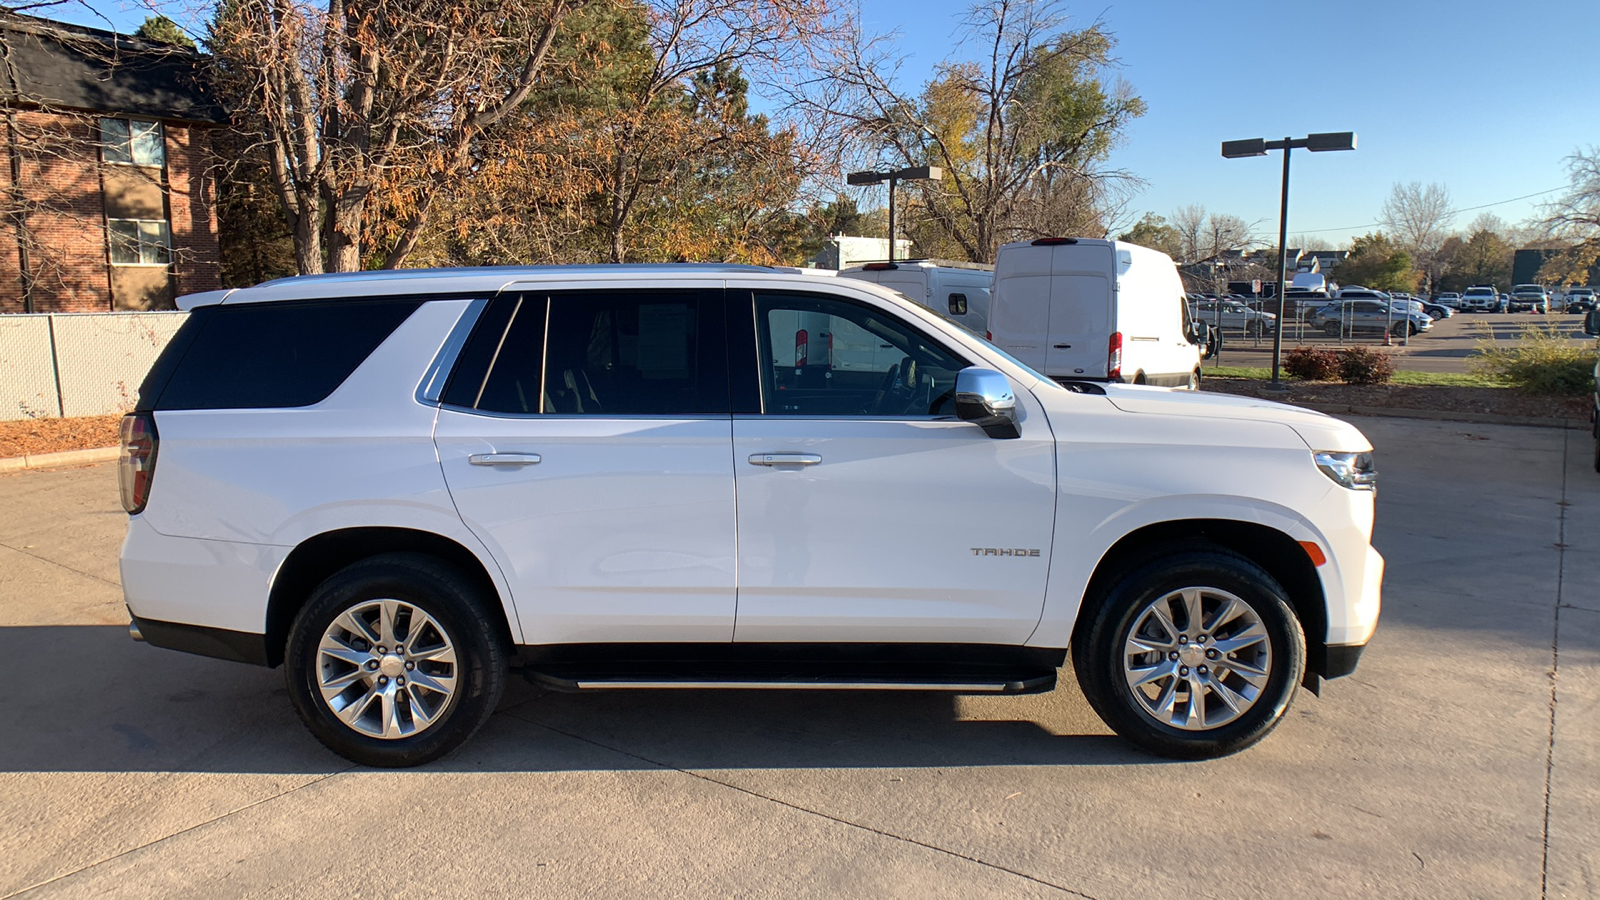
x: 64, y: 458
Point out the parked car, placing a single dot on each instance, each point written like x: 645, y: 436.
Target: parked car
x: 1528, y: 298
x: 1344, y: 317
x: 1580, y: 299
x: 1235, y: 317
x: 1480, y: 298
x: 1436, y: 310
x: 397, y: 484
x: 1450, y: 299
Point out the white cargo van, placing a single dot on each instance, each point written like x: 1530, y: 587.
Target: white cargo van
x: 959, y: 291
x: 1082, y: 309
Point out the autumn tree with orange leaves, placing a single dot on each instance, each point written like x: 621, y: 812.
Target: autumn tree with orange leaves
x: 517, y: 130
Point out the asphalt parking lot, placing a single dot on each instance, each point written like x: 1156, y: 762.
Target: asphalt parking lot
x: 1444, y: 348
x: 1461, y: 760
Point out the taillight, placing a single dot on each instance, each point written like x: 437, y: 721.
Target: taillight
x: 988, y: 336
x: 1114, y: 357
x: 879, y: 267
x: 137, y: 465
x: 1054, y: 241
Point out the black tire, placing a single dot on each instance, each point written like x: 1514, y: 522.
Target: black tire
x: 1332, y: 329
x: 1097, y: 648
x: 462, y: 615
x: 1194, y: 380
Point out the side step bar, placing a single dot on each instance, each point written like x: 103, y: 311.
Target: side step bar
x: 988, y: 683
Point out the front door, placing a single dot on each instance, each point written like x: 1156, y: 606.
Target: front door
x: 867, y: 512
x: 585, y: 439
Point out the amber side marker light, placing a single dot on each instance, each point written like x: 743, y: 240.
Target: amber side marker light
x: 1315, y: 552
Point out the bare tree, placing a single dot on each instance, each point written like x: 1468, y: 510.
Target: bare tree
x: 1021, y: 132
x: 1418, y: 218
x: 359, y: 94
x: 1204, y: 236
x: 1573, y: 221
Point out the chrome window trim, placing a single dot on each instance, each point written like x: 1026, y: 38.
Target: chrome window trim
x: 431, y: 389
x: 579, y: 417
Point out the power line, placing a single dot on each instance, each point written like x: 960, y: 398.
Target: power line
x: 1452, y: 212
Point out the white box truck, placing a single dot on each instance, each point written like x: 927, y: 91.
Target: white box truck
x: 958, y: 291
x: 1083, y: 309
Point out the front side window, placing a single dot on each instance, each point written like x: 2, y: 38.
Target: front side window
x: 594, y: 354
x: 140, y: 242
x: 826, y: 356
x: 133, y: 142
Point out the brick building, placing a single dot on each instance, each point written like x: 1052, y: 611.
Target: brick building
x: 106, y: 194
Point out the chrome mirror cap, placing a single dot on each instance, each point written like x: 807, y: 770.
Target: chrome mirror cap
x: 984, y: 398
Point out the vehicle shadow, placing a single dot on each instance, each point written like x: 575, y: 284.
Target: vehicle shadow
x: 91, y: 700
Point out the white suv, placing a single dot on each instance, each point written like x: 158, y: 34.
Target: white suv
x: 404, y: 485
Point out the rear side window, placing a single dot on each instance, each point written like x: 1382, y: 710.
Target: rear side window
x: 601, y: 353
x: 269, y: 355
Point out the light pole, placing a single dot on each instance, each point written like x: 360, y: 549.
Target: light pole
x: 911, y: 173
x: 1316, y: 143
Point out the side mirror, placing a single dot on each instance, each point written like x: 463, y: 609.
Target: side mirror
x: 1202, y: 333
x: 984, y: 398
x: 1591, y: 322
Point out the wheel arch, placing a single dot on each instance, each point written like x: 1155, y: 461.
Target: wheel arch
x: 1274, y: 551
x: 316, y: 558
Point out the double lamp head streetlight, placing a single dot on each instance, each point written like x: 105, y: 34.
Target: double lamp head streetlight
x: 1316, y: 143
x: 912, y: 173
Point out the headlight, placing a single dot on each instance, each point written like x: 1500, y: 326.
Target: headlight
x: 1352, y: 470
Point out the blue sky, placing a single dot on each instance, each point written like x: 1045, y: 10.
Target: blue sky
x: 1486, y: 98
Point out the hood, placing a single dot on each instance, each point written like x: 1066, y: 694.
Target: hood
x: 1319, y: 430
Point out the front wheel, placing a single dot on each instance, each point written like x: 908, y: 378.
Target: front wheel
x: 394, y: 662
x: 1193, y: 656
x: 1194, y: 380
x: 1332, y: 329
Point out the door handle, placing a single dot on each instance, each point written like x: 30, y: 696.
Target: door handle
x: 1062, y: 346
x: 504, y: 459
x: 784, y: 459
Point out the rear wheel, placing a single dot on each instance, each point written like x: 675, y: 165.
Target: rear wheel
x: 394, y: 662
x: 1195, y: 655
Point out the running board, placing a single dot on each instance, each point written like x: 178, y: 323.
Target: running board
x: 988, y: 683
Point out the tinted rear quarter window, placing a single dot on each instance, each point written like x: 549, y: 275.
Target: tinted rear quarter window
x: 269, y: 355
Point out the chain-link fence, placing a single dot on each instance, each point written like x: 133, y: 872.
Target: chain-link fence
x: 78, y: 364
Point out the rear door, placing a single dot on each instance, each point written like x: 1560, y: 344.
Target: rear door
x: 585, y: 437
x: 1081, y: 310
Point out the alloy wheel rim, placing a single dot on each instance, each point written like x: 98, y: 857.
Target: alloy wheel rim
x: 1197, y: 658
x: 386, y: 669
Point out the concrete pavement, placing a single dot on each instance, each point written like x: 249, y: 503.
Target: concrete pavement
x: 1460, y: 760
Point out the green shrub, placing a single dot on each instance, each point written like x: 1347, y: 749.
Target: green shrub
x: 1361, y: 365
x: 1543, y: 361
x: 1311, y: 364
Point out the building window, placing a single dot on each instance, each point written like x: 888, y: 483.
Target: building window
x: 140, y: 242
x: 132, y: 142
